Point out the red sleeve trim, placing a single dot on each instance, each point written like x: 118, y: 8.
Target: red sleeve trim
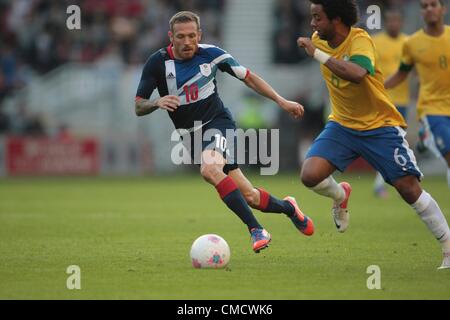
x: 247, y: 74
x: 138, y: 99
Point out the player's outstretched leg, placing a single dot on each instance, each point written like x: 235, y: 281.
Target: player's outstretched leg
x: 316, y: 175
x: 262, y: 200
x: 212, y: 172
x: 428, y: 211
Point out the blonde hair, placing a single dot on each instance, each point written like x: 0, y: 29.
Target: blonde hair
x: 184, y: 16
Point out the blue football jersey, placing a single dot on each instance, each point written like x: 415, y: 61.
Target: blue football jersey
x: 192, y: 80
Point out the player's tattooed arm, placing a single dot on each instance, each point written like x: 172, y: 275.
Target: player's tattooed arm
x: 343, y: 69
x: 144, y: 107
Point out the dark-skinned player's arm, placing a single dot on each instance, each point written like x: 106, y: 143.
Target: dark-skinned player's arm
x: 395, y: 79
x: 148, y: 83
x: 260, y: 86
x: 406, y: 65
x: 353, y: 71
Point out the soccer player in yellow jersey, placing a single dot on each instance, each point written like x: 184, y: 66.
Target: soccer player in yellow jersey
x: 364, y: 122
x: 389, y: 45
x: 429, y: 51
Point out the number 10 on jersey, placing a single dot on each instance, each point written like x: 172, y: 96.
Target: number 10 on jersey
x: 191, y: 92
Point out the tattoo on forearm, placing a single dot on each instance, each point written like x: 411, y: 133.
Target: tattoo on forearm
x: 144, y: 107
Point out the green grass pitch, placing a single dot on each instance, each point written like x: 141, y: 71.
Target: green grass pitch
x: 131, y: 239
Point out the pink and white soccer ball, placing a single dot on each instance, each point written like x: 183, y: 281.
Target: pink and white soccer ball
x: 210, y: 251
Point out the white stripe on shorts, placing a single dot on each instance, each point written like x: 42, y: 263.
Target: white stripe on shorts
x: 408, y: 150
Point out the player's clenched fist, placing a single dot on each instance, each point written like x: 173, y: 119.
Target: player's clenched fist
x: 307, y: 44
x: 169, y: 103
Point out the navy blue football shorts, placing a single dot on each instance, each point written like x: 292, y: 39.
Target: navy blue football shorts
x: 219, y: 135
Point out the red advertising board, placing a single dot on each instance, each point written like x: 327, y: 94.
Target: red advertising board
x: 42, y: 156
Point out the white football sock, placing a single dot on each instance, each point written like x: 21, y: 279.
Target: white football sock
x: 329, y: 188
x: 379, y: 181
x: 446, y: 246
x: 432, y: 216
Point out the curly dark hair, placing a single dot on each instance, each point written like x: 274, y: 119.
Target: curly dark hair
x: 347, y: 10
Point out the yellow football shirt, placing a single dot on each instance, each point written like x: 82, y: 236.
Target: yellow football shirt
x: 362, y: 106
x: 389, y: 53
x: 431, y: 57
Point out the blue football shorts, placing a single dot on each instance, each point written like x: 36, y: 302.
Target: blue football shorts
x: 219, y: 135
x: 386, y: 149
x: 439, y: 129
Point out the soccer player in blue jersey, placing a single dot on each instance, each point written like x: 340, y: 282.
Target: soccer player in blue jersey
x: 184, y: 74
